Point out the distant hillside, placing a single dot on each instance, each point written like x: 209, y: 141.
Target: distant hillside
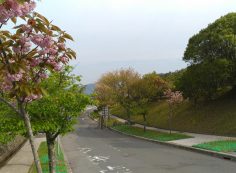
x: 89, y: 88
x: 172, y: 77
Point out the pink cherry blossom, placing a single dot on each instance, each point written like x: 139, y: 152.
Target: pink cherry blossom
x: 6, y: 86
x: 32, y: 97
x: 53, y: 51
x: 26, y: 28
x: 16, y: 49
x: 64, y: 59
x: 43, y: 75
x: 57, y: 67
x: 36, y: 51
x: 44, y: 51
x: 174, y: 97
x: 35, y: 61
x: 15, y: 77
x: 61, y: 46
x: 11, y: 8
x: 37, y: 39
x: 47, y: 41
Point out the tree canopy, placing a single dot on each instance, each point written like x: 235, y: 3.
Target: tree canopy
x: 211, y: 55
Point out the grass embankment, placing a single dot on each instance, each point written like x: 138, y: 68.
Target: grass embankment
x: 43, y: 155
x: 149, y: 134
x: 131, y: 130
x: 219, y: 146
x: 216, y: 117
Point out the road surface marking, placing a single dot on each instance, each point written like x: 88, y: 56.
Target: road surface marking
x: 85, y: 150
x: 116, y: 169
x: 99, y: 158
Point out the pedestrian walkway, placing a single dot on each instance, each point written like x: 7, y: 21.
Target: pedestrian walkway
x: 22, y: 160
x: 197, y: 138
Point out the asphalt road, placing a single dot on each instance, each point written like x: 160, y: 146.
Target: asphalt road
x: 91, y: 150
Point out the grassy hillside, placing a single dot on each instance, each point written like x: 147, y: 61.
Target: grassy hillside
x: 216, y: 117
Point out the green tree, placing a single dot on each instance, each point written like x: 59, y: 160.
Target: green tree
x: 205, y: 81
x: 156, y: 85
x: 104, y: 90
x: 211, y: 54
x: 117, y: 86
x: 56, y: 113
x: 217, y: 41
x: 172, y: 77
x: 151, y: 87
x: 11, y: 124
x: 142, y: 95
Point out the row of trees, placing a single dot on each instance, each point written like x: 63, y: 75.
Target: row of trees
x: 133, y: 92
x: 211, y: 58
x: 37, y: 91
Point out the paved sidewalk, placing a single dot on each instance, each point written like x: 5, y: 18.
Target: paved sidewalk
x: 197, y: 138
x: 22, y: 160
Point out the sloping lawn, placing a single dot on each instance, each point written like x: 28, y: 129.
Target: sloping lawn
x: 159, y: 136
x: 220, y: 146
x: 42, y: 151
x: 217, y: 117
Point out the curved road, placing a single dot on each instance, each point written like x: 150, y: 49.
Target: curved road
x: 91, y: 150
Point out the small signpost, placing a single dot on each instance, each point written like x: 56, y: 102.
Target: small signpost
x: 104, y: 116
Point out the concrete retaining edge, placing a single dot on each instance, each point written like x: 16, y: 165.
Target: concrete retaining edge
x: 220, y: 155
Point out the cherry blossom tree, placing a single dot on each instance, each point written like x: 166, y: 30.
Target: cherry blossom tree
x: 28, y: 53
x: 173, y: 99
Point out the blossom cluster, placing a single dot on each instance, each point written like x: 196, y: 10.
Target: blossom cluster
x: 174, y: 97
x: 33, y: 97
x: 11, y: 8
x: 31, y: 55
x: 47, y: 49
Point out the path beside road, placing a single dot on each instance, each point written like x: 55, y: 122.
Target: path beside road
x: 22, y: 160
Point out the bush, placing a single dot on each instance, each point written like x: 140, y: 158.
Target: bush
x: 113, y: 122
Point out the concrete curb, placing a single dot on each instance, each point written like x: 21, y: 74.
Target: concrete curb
x: 220, y: 155
x: 65, y: 157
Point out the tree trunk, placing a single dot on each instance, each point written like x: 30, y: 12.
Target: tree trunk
x: 51, y: 153
x: 145, y: 122
x: 31, y: 137
x: 170, y: 118
x: 128, y: 116
x: 108, y: 114
x: 101, y: 122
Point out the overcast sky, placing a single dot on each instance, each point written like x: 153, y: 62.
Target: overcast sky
x: 146, y: 35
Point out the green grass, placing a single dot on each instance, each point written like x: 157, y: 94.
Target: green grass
x: 113, y: 122
x: 220, y: 146
x: 159, y: 136
x: 216, y: 117
x: 42, y: 151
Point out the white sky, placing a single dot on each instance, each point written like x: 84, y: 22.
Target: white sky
x: 147, y: 35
